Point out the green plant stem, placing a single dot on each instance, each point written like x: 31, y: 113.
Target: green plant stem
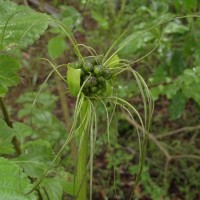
x: 9, y: 123
x: 66, y: 112
x: 81, y: 174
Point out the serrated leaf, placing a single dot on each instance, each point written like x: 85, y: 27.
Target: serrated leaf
x: 51, y: 188
x: 9, y: 67
x: 21, y: 131
x: 56, y: 47
x: 6, y: 136
x: 14, y: 182
x: 36, y: 157
x: 73, y: 80
x: 19, y: 25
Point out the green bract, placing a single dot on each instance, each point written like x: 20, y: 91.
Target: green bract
x: 73, y: 80
x: 113, y: 61
x: 91, y: 74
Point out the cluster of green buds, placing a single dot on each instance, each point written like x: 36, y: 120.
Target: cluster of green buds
x: 90, y: 74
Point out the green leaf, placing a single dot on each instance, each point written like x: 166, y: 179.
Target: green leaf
x: 177, y: 105
x: 100, y: 19
x: 113, y: 61
x: 68, y: 183
x: 176, y: 27
x: 6, y: 136
x: 135, y: 42
x: 51, y: 189
x: 189, y: 5
x: 21, y: 131
x: 19, y: 25
x: 9, y: 67
x: 36, y: 157
x: 70, y: 16
x: 192, y: 91
x: 56, y: 47
x: 177, y: 62
x: 14, y: 182
x: 73, y: 80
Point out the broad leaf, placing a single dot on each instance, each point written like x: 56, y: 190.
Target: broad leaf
x: 9, y: 67
x: 19, y: 25
x: 14, y: 182
x: 36, y: 157
x: 22, y: 131
x: 134, y: 42
x: 56, y: 47
x: 6, y: 136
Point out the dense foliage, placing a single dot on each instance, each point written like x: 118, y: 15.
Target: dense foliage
x: 51, y: 53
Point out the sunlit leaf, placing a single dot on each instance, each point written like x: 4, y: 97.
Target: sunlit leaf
x: 19, y: 25
x: 175, y: 27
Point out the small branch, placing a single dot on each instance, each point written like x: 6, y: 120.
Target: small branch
x: 9, y: 123
x: 184, y: 129
x: 46, y: 7
x: 190, y: 156
x: 5, y: 113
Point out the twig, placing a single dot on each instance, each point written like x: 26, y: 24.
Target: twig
x: 173, y: 157
x: 189, y: 128
x: 47, y: 8
x: 9, y: 123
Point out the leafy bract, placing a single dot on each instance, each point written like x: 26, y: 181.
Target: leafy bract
x: 6, y: 135
x: 20, y: 26
x: 113, y: 61
x: 14, y: 182
x: 36, y: 157
x: 73, y: 80
x: 9, y: 67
